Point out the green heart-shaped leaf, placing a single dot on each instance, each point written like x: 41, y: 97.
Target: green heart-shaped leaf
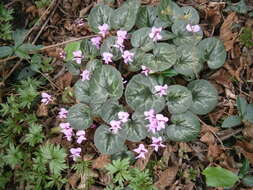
x: 140, y: 94
x: 124, y: 17
x: 179, y: 99
x: 165, y: 56
x: 169, y: 11
x: 108, y: 46
x: 110, y: 110
x: 184, y: 37
x: 79, y: 116
x: 185, y: 127
x: 191, y: 15
x: 140, y: 39
x: 135, y: 130
x: 106, y: 142
x: 137, y: 60
x: 99, y: 15
x: 189, y: 61
x: 148, y: 17
x: 105, y: 83
x: 89, y: 49
x: 231, y: 121
x: 204, y: 95
x: 214, y: 52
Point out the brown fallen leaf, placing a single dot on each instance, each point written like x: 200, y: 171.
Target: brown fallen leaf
x: 101, y: 161
x: 73, y: 180
x: 166, y: 178
x: 214, y: 151
x: 208, y: 138
x: 226, y: 34
x: 64, y: 81
x: 42, y: 110
x: 244, y: 147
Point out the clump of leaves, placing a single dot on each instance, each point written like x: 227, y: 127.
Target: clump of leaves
x: 246, y: 37
x: 42, y: 3
x: 124, y: 176
x: 5, y: 22
x: 245, y: 114
x: 180, y: 50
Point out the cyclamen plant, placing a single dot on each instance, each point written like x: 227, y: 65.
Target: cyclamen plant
x: 145, y: 53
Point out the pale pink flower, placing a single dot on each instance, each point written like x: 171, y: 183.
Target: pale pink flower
x: 149, y: 114
x: 115, y: 126
x: 63, y: 113
x: 75, y: 153
x: 66, y: 130
x: 146, y: 71
x: 46, y: 98
x: 123, y: 116
x: 62, y: 54
x: 107, y: 57
x: 156, y: 122
x: 155, y: 33
x: 161, y: 90
x: 78, y: 56
x: 80, y: 136
x: 193, y: 28
x: 122, y: 34
x: 141, y: 150
x: 128, y: 56
x: 103, y: 29
x: 96, y: 41
x: 79, y: 22
x: 85, y: 75
x: 156, y: 143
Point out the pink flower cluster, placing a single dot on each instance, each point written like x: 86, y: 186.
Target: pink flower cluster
x: 85, y: 75
x: 161, y: 90
x: 155, y: 34
x: 103, y: 30
x: 69, y: 133
x: 107, y: 57
x: 141, y: 150
x: 116, y: 125
x: 78, y: 56
x: 193, y: 28
x: 63, y: 113
x: 156, y: 121
x: 46, y: 98
x: 96, y: 41
x: 156, y: 143
x: 128, y: 56
x: 121, y: 37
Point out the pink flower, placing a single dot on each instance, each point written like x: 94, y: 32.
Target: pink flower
x: 156, y: 122
x: 149, y: 114
x: 81, y: 136
x: 161, y: 90
x: 78, y: 56
x: 123, y: 116
x: 155, y: 33
x: 79, y: 22
x: 63, y: 113
x: 156, y: 143
x: 128, y: 56
x: 115, y: 126
x: 75, y: 153
x: 85, y: 75
x: 141, y: 150
x: 46, y: 98
x: 66, y: 130
x: 103, y: 29
x: 107, y: 57
x: 62, y: 54
x: 192, y: 28
x: 122, y: 34
x: 96, y: 41
x: 146, y: 71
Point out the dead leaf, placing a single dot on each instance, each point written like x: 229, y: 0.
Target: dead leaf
x: 222, y: 77
x: 244, y: 147
x: 214, y: 151
x: 226, y: 35
x: 73, y: 179
x: 208, y: 138
x: 42, y: 110
x: 142, y: 163
x: 101, y: 161
x: 64, y: 81
x: 166, y: 178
